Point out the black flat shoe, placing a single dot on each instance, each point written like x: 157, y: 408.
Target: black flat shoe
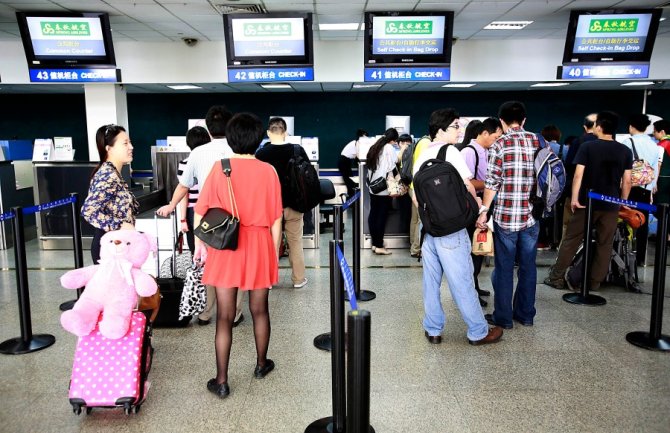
x: 433, y: 339
x: 489, y: 319
x: 222, y: 390
x: 482, y: 292
x: 261, y: 372
x: 237, y: 322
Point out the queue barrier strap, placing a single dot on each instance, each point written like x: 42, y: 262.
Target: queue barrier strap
x: 351, y: 200
x: 348, y: 278
x: 46, y: 206
x: 7, y: 216
x: 620, y: 201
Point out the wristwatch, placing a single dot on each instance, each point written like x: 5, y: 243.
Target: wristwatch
x: 483, y: 209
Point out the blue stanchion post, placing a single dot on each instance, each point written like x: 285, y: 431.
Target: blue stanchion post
x: 654, y: 339
x: 584, y: 297
x: 27, y: 342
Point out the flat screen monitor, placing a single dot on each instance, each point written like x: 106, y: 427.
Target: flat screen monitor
x: 611, y: 35
x: 77, y: 39
x: 280, y: 39
x: 408, y: 38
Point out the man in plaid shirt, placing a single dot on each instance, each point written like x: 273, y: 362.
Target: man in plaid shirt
x: 511, y: 176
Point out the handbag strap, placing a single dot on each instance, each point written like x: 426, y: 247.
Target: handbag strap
x: 227, y: 170
x: 632, y: 142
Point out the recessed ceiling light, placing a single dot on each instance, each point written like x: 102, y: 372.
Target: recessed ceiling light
x: 184, y: 87
x: 276, y: 86
x: 340, y: 26
x: 553, y: 84
x: 507, y: 25
x: 639, y: 83
x: 460, y: 85
x: 366, y: 86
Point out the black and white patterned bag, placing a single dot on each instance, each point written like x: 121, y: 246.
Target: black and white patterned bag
x: 194, y: 296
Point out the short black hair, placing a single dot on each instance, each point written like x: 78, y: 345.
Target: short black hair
x: 512, y: 112
x: 441, y: 119
x: 277, y: 125
x: 551, y: 133
x: 217, y: 119
x: 608, y: 122
x: 662, y: 125
x: 639, y: 121
x: 490, y: 125
x: 588, y: 123
x: 405, y: 138
x: 197, y: 136
x: 361, y: 133
x: 244, y: 133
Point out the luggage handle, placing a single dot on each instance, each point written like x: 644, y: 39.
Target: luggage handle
x: 173, y: 264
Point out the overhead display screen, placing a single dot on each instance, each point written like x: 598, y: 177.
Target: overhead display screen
x: 408, y: 35
x: 616, y: 33
x: 268, y: 37
x: 66, y: 36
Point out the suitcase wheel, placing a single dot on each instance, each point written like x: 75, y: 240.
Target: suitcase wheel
x: 136, y: 409
x: 88, y: 410
x: 76, y: 408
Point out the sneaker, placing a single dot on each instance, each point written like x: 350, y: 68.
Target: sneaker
x: 556, y: 284
x: 301, y: 284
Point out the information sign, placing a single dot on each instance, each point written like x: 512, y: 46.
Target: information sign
x: 267, y: 75
x: 407, y: 74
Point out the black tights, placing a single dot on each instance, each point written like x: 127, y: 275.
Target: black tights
x: 225, y: 315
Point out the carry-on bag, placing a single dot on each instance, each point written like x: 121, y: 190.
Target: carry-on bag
x: 171, y: 287
x: 112, y: 373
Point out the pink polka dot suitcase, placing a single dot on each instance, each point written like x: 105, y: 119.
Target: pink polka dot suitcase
x: 112, y: 373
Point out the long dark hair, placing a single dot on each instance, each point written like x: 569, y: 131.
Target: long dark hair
x: 104, y: 137
x: 376, y: 150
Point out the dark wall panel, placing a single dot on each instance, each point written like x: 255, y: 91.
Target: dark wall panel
x: 333, y: 117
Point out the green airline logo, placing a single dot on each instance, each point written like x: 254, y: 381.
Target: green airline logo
x: 404, y: 27
x: 265, y: 29
x: 62, y: 28
x: 614, y: 25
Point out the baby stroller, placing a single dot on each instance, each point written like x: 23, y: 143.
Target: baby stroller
x: 623, y: 263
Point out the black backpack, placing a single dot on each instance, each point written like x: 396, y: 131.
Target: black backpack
x: 303, y: 183
x: 445, y: 205
x: 407, y: 162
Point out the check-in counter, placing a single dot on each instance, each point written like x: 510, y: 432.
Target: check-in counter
x: 396, y: 234
x: 14, y: 193
x: 56, y: 180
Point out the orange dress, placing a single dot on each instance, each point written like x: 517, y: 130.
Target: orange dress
x: 253, y: 265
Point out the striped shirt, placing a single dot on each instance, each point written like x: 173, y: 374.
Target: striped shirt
x: 201, y: 160
x: 194, y: 191
x: 511, y: 174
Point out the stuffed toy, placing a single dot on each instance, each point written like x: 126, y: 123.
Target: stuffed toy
x: 112, y: 286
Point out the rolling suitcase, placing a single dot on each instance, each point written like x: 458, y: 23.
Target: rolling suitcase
x: 112, y: 373
x: 170, y: 287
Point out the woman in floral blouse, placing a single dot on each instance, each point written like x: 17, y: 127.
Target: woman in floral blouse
x: 110, y: 205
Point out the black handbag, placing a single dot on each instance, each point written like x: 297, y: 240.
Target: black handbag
x: 219, y: 228
x: 378, y: 185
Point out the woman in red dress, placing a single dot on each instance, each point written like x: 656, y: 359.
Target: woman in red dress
x: 253, y: 265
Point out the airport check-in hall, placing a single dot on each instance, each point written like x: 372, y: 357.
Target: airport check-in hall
x: 334, y: 216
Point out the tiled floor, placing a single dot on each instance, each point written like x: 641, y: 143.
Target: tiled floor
x: 572, y: 371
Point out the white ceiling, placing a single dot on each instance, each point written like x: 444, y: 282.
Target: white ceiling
x: 172, y: 20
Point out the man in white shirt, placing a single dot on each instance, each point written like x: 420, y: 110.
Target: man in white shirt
x: 646, y: 149
x: 199, y: 165
x: 450, y: 254
x: 348, y: 156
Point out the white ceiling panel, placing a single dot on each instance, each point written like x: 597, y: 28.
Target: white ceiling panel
x: 489, y: 7
x: 189, y: 9
x: 25, y: 7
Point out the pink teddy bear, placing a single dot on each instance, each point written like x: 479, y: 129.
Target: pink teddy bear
x: 111, y: 286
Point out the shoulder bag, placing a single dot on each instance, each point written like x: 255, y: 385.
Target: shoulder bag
x: 642, y: 173
x: 219, y: 228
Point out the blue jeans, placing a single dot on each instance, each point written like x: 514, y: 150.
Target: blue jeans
x: 450, y: 255
x: 521, y: 245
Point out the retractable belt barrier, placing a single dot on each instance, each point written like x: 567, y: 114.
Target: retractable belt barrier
x: 29, y: 342
x: 354, y: 203
x: 584, y: 297
x: 358, y: 344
